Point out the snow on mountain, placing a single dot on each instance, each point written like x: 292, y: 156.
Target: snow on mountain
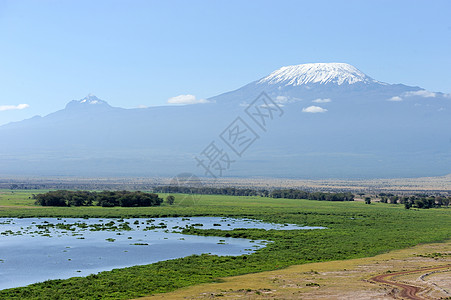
x: 322, y: 73
x: 90, y: 100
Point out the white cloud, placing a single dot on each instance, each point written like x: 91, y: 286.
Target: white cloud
x: 395, y: 98
x: 286, y: 100
x: 314, y: 109
x: 186, y: 99
x: 325, y: 100
x: 142, y: 106
x: 13, y: 107
x: 421, y: 93
x: 281, y: 99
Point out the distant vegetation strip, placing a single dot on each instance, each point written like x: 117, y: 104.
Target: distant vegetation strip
x: 416, y: 201
x: 279, y: 193
x: 104, y: 199
x: 65, y: 198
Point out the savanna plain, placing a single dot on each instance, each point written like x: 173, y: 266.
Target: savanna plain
x: 360, y: 242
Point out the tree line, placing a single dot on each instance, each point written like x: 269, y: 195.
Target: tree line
x: 278, y: 193
x: 320, y: 196
x: 231, y: 191
x: 104, y: 199
x: 417, y: 201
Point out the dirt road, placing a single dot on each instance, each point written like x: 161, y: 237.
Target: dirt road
x: 408, y: 291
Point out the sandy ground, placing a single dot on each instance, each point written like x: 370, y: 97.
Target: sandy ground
x: 349, y: 279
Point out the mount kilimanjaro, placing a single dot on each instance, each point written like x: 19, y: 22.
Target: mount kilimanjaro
x: 333, y: 122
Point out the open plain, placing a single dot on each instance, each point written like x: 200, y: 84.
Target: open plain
x: 427, y: 267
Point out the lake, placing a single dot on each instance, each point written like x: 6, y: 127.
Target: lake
x: 37, y: 249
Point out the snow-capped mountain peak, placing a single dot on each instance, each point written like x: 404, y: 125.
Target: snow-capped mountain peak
x: 91, y: 99
x: 317, y: 73
x: 88, y: 101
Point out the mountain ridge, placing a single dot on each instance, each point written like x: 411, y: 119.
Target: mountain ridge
x: 356, y: 131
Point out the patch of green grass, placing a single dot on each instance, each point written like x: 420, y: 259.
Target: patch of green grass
x: 18, y: 197
x: 354, y: 230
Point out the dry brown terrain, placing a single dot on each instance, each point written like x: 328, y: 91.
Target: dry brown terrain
x: 439, y: 184
x: 349, y: 279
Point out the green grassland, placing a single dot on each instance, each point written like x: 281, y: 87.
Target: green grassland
x: 18, y: 197
x: 354, y: 230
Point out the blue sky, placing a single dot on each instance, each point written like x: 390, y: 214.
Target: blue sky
x: 133, y: 53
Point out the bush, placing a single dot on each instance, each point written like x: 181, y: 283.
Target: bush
x: 104, y: 199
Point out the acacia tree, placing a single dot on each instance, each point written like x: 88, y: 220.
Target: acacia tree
x: 170, y: 199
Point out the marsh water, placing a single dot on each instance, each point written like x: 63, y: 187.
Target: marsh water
x: 37, y: 249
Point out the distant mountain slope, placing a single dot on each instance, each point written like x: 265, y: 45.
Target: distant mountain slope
x: 337, y: 122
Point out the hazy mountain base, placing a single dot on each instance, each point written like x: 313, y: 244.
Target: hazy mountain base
x: 361, y: 130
